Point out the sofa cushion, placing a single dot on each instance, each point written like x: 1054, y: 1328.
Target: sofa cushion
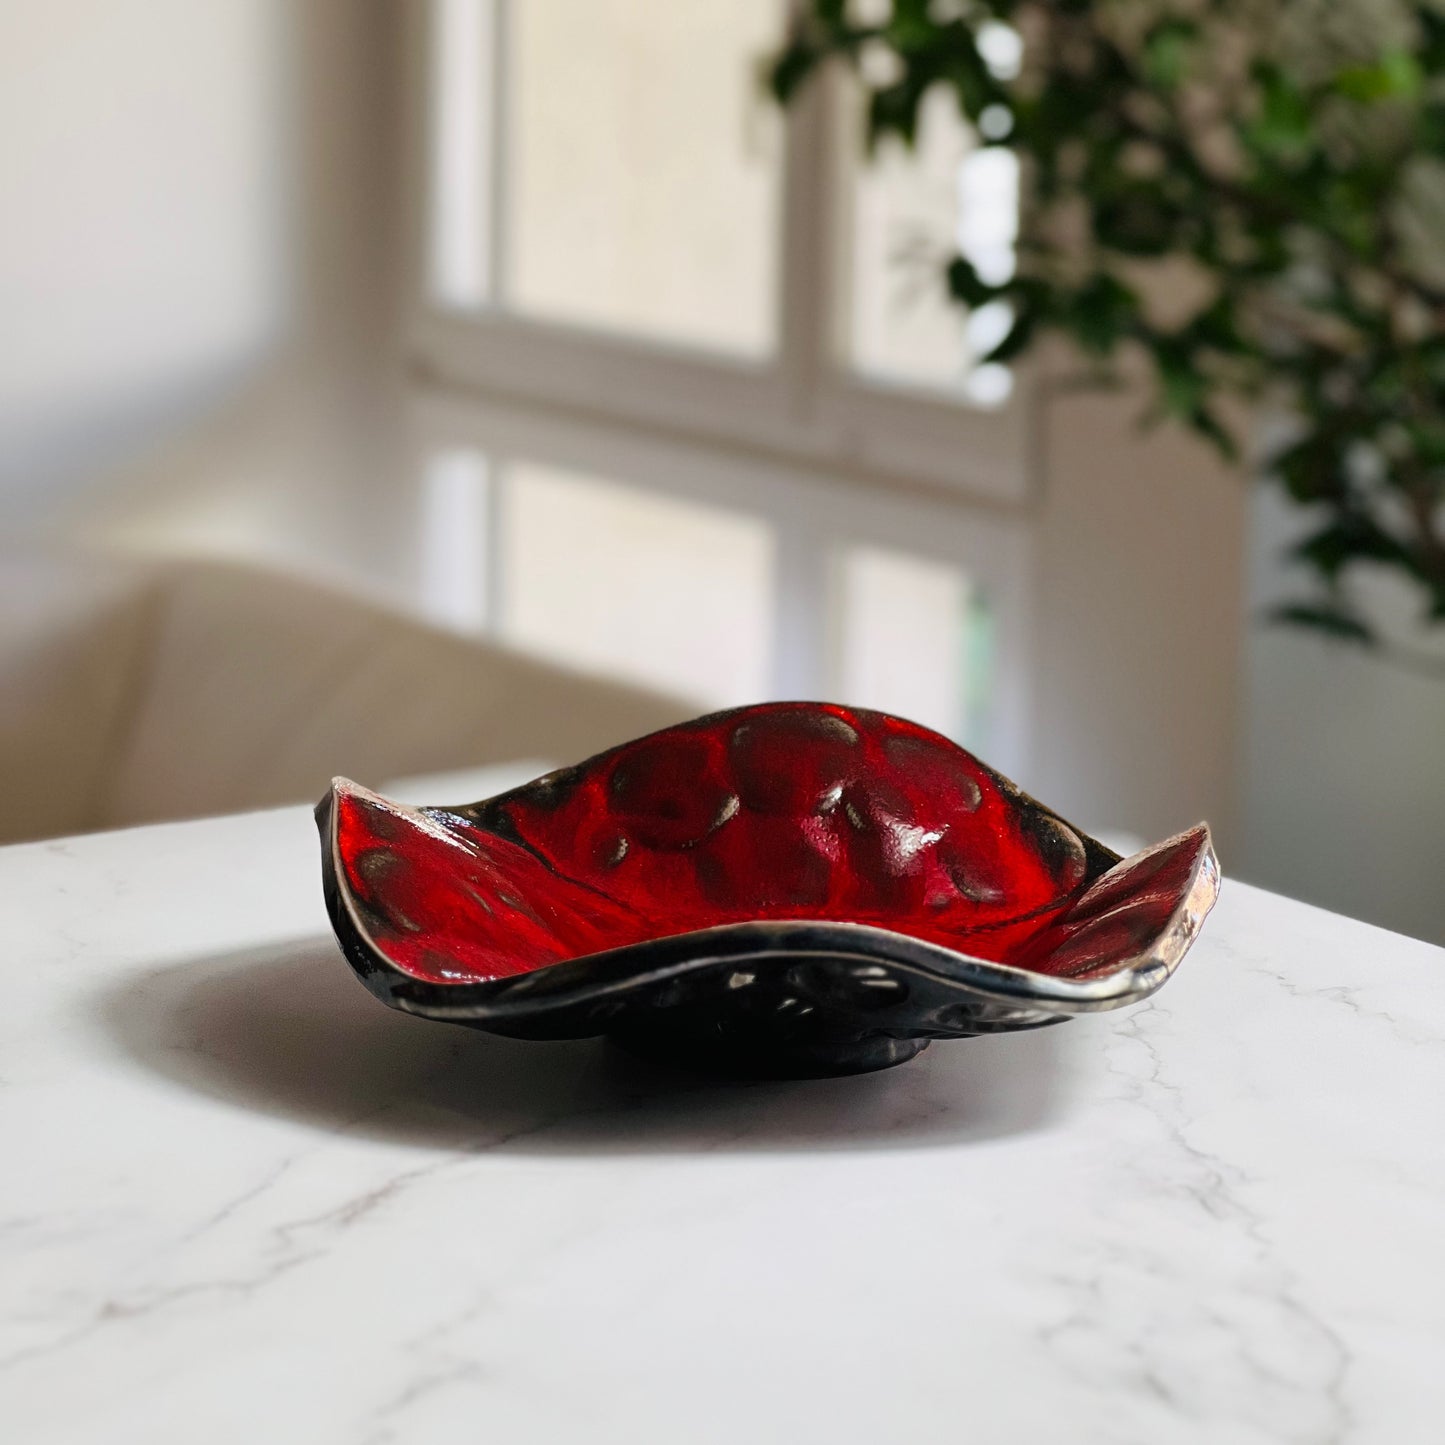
x: 260, y: 687
x: 72, y: 652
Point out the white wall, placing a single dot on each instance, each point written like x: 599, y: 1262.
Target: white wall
x: 142, y: 260
x: 194, y: 274
x: 1342, y: 768
x: 1138, y: 598
x: 1161, y: 694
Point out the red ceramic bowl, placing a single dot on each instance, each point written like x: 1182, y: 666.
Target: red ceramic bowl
x: 791, y: 888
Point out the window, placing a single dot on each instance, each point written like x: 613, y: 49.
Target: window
x: 559, y: 166
x: 457, y: 540
x: 692, y: 406
x: 911, y: 209
x: 649, y: 587
x: 903, y: 641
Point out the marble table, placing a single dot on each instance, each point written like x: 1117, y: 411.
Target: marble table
x: 241, y: 1201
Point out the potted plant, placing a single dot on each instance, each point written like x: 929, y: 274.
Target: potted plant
x: 1289, y: 156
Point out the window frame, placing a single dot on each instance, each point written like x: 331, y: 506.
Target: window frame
x: 813, y: 515
x: 802, y: 405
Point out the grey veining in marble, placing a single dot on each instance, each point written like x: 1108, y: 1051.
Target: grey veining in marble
x: 241, y: 1201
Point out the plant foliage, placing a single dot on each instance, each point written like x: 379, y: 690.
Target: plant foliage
x: 1283, y: 160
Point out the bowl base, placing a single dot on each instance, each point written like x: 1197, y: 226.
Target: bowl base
x: 753, y: 1058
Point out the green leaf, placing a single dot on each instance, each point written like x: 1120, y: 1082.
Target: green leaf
x: 910, y: 29
x: 1205, y: 423
x: 966, y: 286
x: 1313, y: 468
x: 1427, y: 436
x: 1182, y: 385
x: 1217, y: 327
x: 1020, y: 334
x: 792, y: 67
x: 1284, y: 127
x: 893, y: 109
x: 1100, y: 314
x: 1136, y: 219
x: 1330, y: 618
x: 1351, y: 537
x: 1395, y: 76
x: 1167, y: 51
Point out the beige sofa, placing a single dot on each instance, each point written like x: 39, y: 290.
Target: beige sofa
x: 132, y: 692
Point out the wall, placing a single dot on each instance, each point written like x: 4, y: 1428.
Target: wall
x: 142, y: 263
x: 1342, y: 767
x: 1138, y: 587
x: 197, y: 281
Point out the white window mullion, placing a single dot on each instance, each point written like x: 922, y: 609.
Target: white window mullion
x: 808, y: 262
x: 500, y: 170
x: 461, y: 173
x: 458, y: 545
x: 495, y: 579
x: 800, y: 599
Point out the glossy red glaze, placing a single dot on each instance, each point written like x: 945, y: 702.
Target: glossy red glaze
x: 781, y: 811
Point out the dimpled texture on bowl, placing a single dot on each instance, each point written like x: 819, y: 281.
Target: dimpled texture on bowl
x: 775, y: 812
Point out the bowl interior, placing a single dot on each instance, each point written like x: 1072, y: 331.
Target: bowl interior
x: 778, y: 812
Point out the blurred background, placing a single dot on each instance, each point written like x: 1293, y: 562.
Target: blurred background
x: 399, y: 388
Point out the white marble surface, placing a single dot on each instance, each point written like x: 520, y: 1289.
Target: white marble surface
x: 241, y: 1201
